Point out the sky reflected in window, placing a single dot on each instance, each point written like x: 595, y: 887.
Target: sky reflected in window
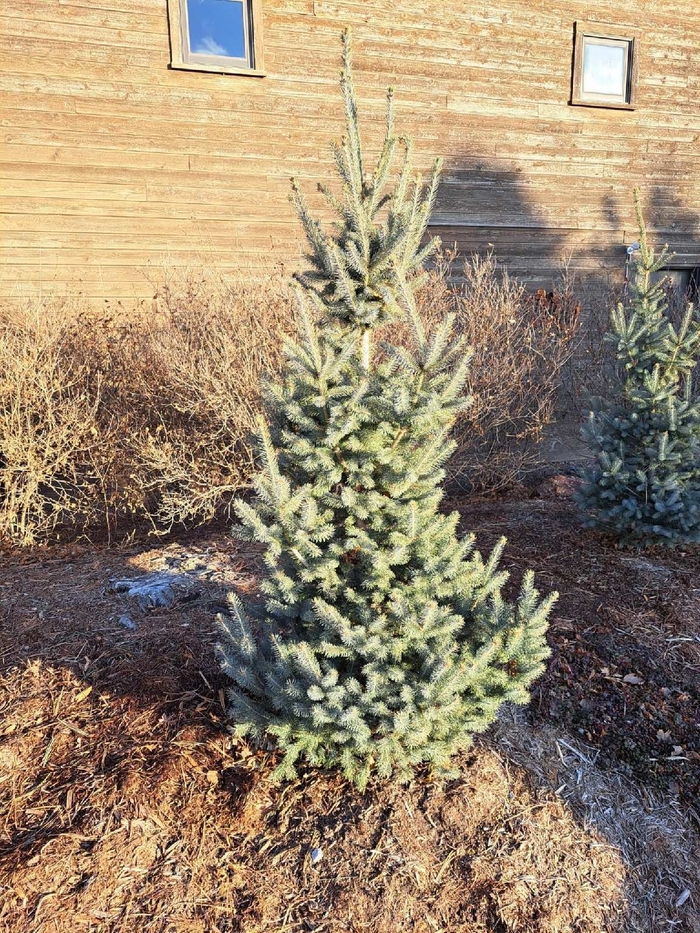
x: 604, y: 69
x: 217, y: 27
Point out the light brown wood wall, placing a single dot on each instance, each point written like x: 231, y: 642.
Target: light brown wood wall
x: 110, y: 161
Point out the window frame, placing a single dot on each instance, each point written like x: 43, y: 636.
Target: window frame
x: 692, y: 291
x: 181, y: 58
x: 615, y: 36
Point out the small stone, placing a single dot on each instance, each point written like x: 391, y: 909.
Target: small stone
x: 683, y: 898
x: 127, y: 622
x: 632, y: 679
x: 150, y: 592
x: 316, y: 856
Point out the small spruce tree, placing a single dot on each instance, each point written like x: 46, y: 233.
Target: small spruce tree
x: 384, y: 640
x: 644, y: 484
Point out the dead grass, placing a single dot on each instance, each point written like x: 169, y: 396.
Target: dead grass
x: 646, y: 828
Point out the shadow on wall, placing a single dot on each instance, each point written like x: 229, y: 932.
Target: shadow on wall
x: 572, y: 234
x: 529, y: 228
x: 673, y: 221
x: 537, y: 224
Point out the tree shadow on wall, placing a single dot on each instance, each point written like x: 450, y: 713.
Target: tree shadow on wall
x: 536, y: 224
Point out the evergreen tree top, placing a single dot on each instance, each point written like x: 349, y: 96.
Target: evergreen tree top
x: 648, y: 343
x: 360, y: 269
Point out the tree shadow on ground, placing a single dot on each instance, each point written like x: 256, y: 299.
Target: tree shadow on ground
x: 129, y: 801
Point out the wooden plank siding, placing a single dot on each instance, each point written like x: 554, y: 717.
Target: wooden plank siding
x: 111, y: 162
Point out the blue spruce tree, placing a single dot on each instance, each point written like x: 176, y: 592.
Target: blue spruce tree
x: 384, y: 641
x: 644, y: 485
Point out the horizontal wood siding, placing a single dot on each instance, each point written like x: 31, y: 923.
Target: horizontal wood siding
x: 111, y: 163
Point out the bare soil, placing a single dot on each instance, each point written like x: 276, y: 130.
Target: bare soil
x: 125, y: 806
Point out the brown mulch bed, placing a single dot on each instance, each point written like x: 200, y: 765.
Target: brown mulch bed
x: 124, y: 806
x: 625, y: 670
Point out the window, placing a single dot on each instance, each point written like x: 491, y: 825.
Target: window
x: 681, y: 283
x: 605, y: 66
x: 216, y: 35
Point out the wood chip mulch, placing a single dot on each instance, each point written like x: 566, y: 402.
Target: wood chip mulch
x: 124, y: 805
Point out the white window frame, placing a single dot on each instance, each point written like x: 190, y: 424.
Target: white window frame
x: 181, y: 56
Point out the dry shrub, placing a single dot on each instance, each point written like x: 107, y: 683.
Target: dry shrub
x: 109, y: 417
x: 53, y: 459
x: 213, y: 341
x: 521, y: 342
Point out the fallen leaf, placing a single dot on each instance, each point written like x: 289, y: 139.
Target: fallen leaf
x: 677, y: 749
x: 83, y: 694
x: 663, y: 736
x: 632, y: 679
x: 213, y: 777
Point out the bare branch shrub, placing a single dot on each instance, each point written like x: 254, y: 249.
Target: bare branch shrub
x: 521, y: 342
x: 53, y: 462
x: 109, y: 417
x: 213, y: 341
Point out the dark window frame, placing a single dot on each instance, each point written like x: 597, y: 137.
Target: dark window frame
x: 692, y: 290
x: 609, y: 34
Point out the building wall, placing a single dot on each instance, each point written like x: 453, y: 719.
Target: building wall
x: 111, y: 162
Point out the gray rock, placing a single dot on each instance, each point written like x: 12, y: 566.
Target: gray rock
x: 153, y: 591
x: 648, y: 568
